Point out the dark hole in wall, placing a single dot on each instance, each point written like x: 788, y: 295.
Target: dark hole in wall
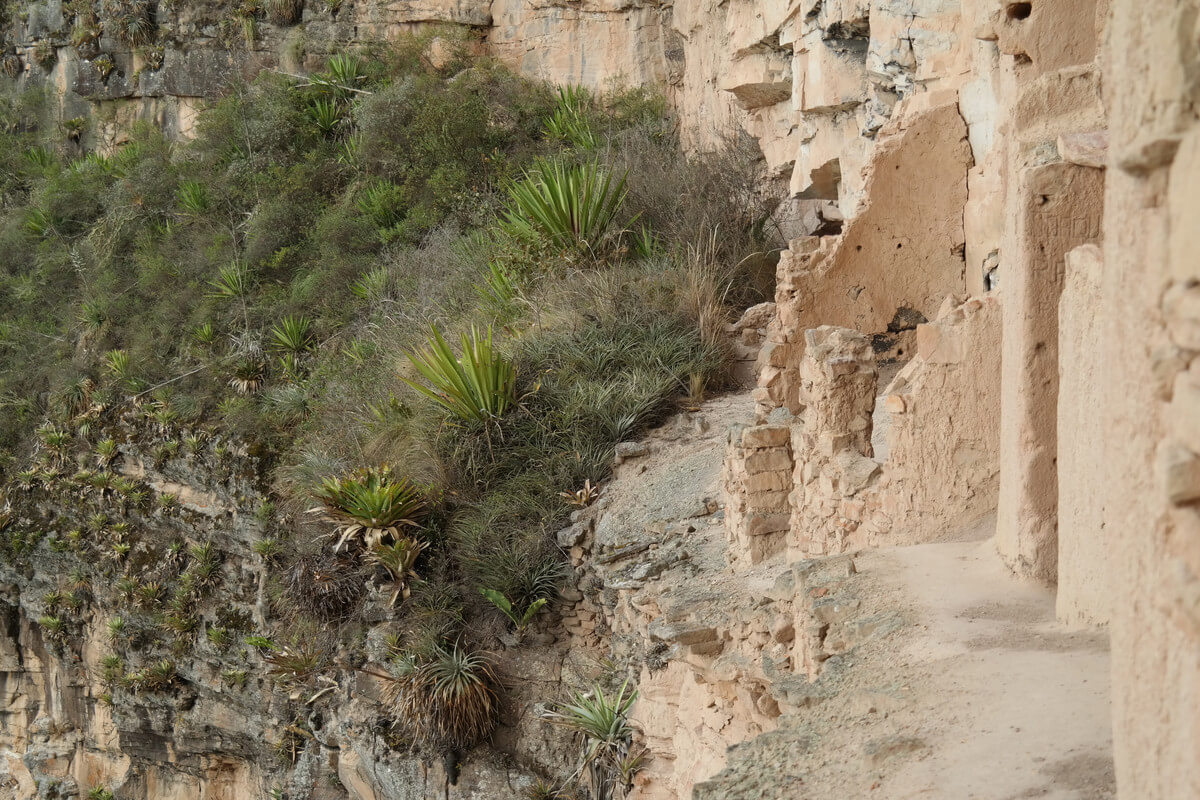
x: 1019, y: 10
x: 829, y: 227
x: 906, y: 319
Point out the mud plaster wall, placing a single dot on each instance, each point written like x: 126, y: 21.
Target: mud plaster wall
x: 1147, y: 460
x: 1084, y: 594
x: 941, y: 471
x: 1056, y: 208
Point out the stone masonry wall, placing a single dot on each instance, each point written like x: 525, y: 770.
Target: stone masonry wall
x: 832, y: 450
x: 942, y: 440
x: 943, y: 436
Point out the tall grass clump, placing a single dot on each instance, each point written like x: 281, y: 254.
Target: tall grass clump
x: 609, y: 758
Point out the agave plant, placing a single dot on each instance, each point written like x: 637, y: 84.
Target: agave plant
x: 384, y: 202
x: 582, y: 498
x: 118, y: 364
x: 498, y: 289
x: 447, y: 701
x: 345, y: 69
x: 233, y: 281
x: 41, y: 159
x: 248, y: 376
x: 398, y: 559
x: 130, y: 20
x: 481, y: 385
x: 349, y: 152
x: 54, y: 627
x: 608, y: 757
x: 192, y: 197
x: 293, y: 334
x: 325, y: 114
x: 571, y: 206
x: 569, y: 121
x: 371, y: 504
x: 39, y: 222
x: 204, y: 333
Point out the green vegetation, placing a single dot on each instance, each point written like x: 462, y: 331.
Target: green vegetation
x: 428, y: 301
x: 447, y: 701
x: 370, y: 504
x: 520, y: 620
x: 479, y: 385
x: 569, y: 205
x: 609, y: 757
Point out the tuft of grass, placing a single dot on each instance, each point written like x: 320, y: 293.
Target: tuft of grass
x: 192, y: 197
x: 297, y: 662
x: 569, y: 123
x: 608, y: 752
x: 283, y: 12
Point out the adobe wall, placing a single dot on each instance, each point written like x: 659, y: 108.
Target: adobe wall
x: 1084, y: 592
x: 1056, y: 207
x: 894, y: 262
x: 943, y: 436
x: 1148, y: 462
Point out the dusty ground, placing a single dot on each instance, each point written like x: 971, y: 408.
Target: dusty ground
x: 981, y: 695
x: 975, y: 693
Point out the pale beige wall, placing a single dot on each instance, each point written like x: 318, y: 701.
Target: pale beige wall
x: 944, y: 433
x: 1084, y: 591
x: 1150, y: 400
x: 1056, y: 207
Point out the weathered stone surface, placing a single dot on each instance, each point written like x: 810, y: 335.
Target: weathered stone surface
x: 1088, y: 149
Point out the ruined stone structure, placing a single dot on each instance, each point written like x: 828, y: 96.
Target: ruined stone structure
x: 1018, y: 185
x: 1061, y: 398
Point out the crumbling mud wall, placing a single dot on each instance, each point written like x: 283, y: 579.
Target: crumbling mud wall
x: 815, y: 485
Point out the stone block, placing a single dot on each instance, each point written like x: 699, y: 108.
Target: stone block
x: 1181, y: 474
x: 572, y: 536
x: 1088, y: 149
x: 768, y: 461
x: 760, y: 436
x: 768, y: 482
x: 856, y: 471
x: 763, y: 524
x: 685, y: 633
